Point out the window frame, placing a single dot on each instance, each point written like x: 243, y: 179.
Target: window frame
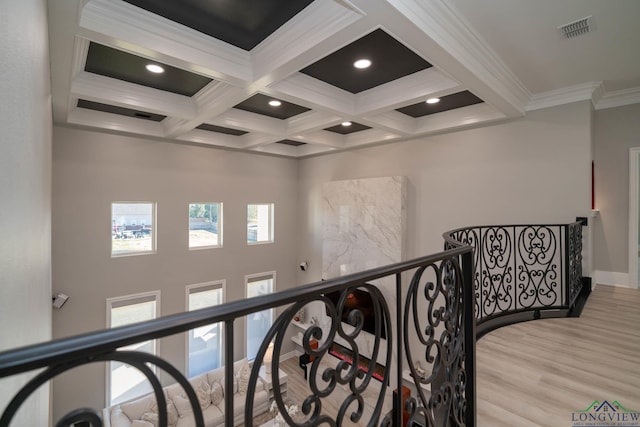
x: 154, y: 227
x: 215, y: 284
x: 255, y: 278
x: 271, y: 223
x: 132, y: 299
x: 220, y: 226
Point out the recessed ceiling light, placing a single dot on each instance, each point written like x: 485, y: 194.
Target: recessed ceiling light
x: 362, y: 63
x: 346, y: 123
x: 154, y: 68
x: 433, y: 100
x: 275, y: 103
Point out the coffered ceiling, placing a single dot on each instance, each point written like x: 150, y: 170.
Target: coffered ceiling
x: 225, y: 62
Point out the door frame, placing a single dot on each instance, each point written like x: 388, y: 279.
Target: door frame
x: 634, y: 189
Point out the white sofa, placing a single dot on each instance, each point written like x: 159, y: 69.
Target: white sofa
x: 209, y: 387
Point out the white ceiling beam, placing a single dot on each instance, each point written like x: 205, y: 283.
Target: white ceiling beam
x: 315, y: 32
x: 94, y: 87
x: 408, y: 90
x: 392, y: 121
x: 143, y: 33
x: 458, y: 118
x: 311, y: 121
x: 448, y: 42
x: 116, y: 122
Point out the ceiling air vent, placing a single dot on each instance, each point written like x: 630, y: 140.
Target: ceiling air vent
x: 576, y: 28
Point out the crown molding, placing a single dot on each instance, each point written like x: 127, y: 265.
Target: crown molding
x: 618, y: 98
x: 552, y: 98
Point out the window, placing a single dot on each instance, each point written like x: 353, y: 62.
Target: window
x: 132, y: 228
x: 258, y: 324
x: 205, y: 225
x: 125, y: 382
x: 204, y: 344
x: 260, y: 223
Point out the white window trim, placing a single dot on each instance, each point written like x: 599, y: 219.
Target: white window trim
x: 156, y: 344
x: 220, y: 226
x: 216, y: 284
x: 154, y: 228
x: 272, y: 232
x: 248, y: 278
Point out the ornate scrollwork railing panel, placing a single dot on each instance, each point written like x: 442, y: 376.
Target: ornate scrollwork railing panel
x: 329, y: 376
x: 434, y: 312
x: 574, y: 261
x: 520, y: 268
x: 348, y: 382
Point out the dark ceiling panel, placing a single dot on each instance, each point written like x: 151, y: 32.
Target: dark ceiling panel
x: 449, y: 102
x: 390, y: 60
x: 242, y: 23
x: 291, y: 142
x: 259, y: 104
x: 83, y: 103
x: 222, y: 129
x: 344, y: 130
x: 125, y: 66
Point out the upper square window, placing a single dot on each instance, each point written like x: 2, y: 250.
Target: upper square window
x: 205, y: 225
x: 133, y: 228
x: 260, y: 223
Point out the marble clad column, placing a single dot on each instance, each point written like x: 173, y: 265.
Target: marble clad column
x: 364, y: 226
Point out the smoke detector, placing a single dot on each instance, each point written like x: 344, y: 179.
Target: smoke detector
x: 576, y: 28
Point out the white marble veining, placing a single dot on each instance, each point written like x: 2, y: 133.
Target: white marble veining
x: 363, y: 224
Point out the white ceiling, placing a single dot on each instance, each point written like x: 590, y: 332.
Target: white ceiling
x: 524, y: 34
x: 507, y: 52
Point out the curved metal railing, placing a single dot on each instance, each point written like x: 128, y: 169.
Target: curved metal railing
x: 434, y: 329
x: 522, y: 272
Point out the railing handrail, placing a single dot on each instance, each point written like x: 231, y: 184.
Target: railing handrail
x: 448, y: 235
x: 48, y: 353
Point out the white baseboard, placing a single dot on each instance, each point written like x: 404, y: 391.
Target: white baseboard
x: 613, y: 278
x: 289, y: 355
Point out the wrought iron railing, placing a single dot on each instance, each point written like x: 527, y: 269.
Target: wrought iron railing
x: 431, y: 323
x: 522, y: 272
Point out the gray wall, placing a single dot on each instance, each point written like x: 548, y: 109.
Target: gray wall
x: 25, y: 173
x: 535, y: 169
x: 616, y: 130
x: 91, y: 170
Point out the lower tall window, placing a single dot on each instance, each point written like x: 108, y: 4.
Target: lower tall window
x: 204, y: 344
x: 125, y: 382
x: 258, y: 324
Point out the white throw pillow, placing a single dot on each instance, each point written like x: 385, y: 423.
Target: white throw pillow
x: 135, y: 409
x: 151, y: 417
x: 243, y: 377
x: 203, y: 391
x: 217, y: 393
x: 182, y: 405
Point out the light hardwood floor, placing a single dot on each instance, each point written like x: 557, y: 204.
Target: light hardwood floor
x: 537, y: 373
